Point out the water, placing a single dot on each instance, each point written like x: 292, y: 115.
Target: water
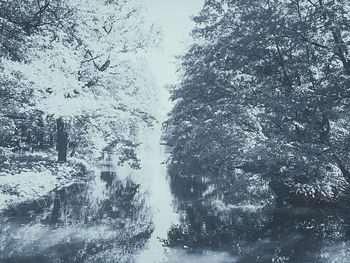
x: 93, y: 224
x: 97, y: 219
x: 140, y: 217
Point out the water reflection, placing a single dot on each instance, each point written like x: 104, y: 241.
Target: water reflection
x: 131, y: 216
x: 249, y: 233
x: 183, y: 255
x: 89, y: 221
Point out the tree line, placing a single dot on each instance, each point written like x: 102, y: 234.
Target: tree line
x: 71, y: 77
x: 264, y: 99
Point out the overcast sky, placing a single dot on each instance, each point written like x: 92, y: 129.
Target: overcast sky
x: 173, y: 16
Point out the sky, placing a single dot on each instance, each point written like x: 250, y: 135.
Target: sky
x: 174, y: 19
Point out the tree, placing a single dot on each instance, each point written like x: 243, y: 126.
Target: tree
x: 273, y: 75
x: 76, y: 69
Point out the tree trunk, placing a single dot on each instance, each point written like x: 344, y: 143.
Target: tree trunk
x: 51, y: 140
x: 62, y: 140
x: 55, y: 214
x: 40, y: 134
x: 343, y: 169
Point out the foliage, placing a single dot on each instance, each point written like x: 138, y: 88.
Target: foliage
x: 75, y: 60
x: 265, y: 89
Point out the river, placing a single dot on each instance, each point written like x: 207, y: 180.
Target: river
x: 140, y: 217
x: 123, y: 220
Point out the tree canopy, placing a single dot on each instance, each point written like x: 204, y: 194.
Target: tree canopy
x: 80, y: 63
x: 265, y: 91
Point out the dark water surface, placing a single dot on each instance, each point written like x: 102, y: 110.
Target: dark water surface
x: 126, y: 220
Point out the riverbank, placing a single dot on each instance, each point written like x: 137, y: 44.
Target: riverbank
x: 95, y: 220
x: 27, y: 176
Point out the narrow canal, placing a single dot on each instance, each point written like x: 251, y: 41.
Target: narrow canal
x: 140, y: 216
